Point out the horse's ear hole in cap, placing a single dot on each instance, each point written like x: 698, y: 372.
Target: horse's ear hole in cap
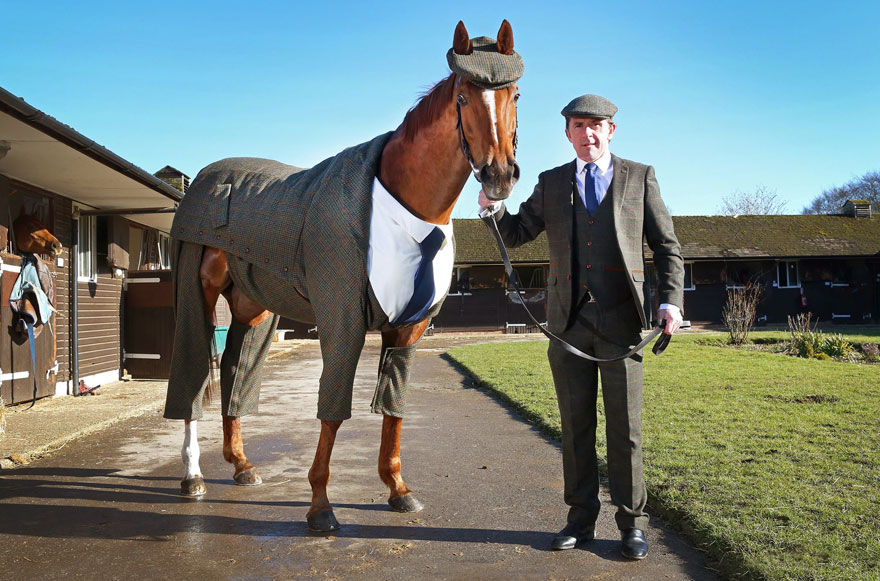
x: 461, y: 42
x: 505, y: 38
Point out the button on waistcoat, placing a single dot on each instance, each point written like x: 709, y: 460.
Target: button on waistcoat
x: 596, y: 261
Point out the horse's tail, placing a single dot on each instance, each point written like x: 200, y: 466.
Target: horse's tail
x: 213, y: 363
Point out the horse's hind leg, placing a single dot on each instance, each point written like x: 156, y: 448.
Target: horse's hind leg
x: 247, y: 344
x: 193, y: 483
x: 233, y: 451
x: 320, y: 516
x: 191, y: 359
x: 400, y: 497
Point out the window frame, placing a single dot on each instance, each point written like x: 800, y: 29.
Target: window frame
x: 689, y: 266
x: 86, y: 267
x: 797, y: 273
x: 457, y: 272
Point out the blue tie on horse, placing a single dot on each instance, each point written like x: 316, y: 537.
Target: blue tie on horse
x: 424, y: 287
x: 591, y: 197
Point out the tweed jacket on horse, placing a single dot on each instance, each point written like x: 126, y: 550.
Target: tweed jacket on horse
x: 638, y: 212
x: 296, y: 243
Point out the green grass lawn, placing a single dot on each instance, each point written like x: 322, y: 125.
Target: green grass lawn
x: 770, y: 463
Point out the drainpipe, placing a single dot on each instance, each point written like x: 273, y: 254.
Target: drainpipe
x: 74, y: 306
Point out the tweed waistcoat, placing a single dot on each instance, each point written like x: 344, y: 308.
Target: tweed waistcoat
x: 638, y: 214
x: 596, y: 261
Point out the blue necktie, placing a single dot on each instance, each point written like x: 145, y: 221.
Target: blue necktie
x: 423, y: 289
x: 590, y: 183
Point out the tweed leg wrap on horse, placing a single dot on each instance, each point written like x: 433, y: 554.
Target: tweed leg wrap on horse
x: 394, y: 367
x: 241, y: 365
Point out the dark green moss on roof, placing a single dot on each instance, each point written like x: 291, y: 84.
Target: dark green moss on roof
x: 777, y: 236
x: 475, y: 245
x: 718, y: 237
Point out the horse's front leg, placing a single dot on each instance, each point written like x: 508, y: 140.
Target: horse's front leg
x: 233, y: 451
x: 320, y: 516
x: 400, y: 497
x: 193, y: 484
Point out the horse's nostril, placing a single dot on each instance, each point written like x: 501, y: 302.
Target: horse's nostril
x: 515, y: 171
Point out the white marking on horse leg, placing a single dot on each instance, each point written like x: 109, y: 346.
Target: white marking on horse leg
x: 190, y: 451
x: 489, y: 98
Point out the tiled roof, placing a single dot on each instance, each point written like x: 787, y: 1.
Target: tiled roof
x: 714, y: 237
x: 777, y: 236
x: 475, y: 245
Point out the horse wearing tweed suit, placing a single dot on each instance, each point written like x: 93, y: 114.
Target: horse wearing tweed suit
x: 313, y: 267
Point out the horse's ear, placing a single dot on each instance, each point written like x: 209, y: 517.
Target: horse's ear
x: 505, y: 38
x: 461, y: 42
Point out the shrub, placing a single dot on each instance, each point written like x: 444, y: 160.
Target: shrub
x: 837, y: 346
x: 871, y: 352
x: 740, y: 311
x: 807, y: 343
x: 800, y: 323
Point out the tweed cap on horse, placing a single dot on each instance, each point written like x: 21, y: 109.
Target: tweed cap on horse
x: 484, y: 66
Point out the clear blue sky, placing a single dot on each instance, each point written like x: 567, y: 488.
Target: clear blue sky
x: 718, y: 96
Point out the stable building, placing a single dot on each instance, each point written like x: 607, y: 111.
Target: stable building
x: 826, y: 264
x: 112, y: 218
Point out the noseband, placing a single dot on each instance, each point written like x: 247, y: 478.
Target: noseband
x: 463, y: 143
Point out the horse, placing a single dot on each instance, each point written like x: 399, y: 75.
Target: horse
x: 457, y: 129
x: 33, y: 294
x: 32, y: 237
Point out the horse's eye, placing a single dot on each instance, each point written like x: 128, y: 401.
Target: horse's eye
x: 461, y: 99
x: 516, y: 98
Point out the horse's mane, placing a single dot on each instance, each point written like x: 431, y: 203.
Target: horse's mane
x: 429, y: 108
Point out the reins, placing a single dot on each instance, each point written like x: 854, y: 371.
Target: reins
x: 658, y: 347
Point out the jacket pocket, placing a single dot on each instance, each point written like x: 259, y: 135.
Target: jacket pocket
x: 220, y: 207
x: 638, y: 275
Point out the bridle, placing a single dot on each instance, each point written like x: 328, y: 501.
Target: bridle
x: 463, y: 142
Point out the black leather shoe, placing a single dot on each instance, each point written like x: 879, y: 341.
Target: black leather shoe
x: 572, y: 535
x: 634, y: 544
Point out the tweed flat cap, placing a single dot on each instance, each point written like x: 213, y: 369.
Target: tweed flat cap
x: 590, y: 106
x: 485, y: 66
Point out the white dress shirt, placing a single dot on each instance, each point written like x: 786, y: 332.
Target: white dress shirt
x: 604, y: 175
x: 394, y: 253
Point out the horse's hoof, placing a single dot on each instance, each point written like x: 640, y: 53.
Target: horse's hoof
x: 406, y: 503
x: 248, y: 477
x: 322, y: 522
x: 193, y: 487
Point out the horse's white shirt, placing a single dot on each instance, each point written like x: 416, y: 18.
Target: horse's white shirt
x: 394, y: 253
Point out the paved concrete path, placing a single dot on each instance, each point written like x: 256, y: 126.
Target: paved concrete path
x: 106, y: 506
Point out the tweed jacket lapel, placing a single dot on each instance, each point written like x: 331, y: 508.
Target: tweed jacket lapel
x: 617, y: 191
x: 568, y: 188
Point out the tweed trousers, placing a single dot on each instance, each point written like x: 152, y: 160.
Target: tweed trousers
x: 242, y: 360
x: 603, y: 333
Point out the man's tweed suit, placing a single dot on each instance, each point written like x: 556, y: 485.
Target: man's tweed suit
x: 631, y: 211
x: 296, y: 243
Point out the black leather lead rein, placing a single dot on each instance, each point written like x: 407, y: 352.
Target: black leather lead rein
x: 658, y: 347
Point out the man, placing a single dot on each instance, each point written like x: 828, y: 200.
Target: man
x: 597, y: 210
